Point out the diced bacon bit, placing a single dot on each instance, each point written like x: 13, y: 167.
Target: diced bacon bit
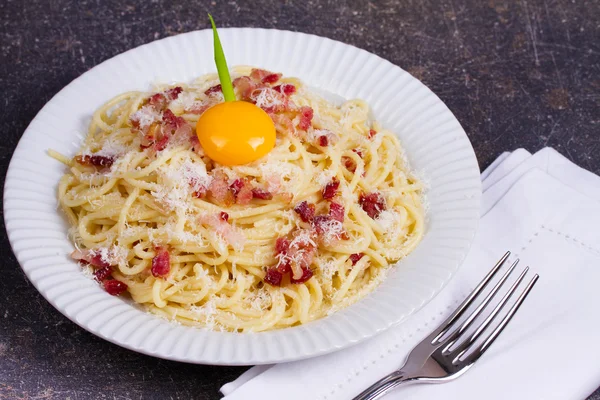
x: 358, y: 152
x: 331, y: 189
x: 371, y: 133
x: 355, y: 257
x: 224, y: 216
x: 175, y: 125
x: 349, y: 164
x: 306, y: 116
x: 236, y: 186
x: 336, y: 211
x: 219, y: 189
x: 213, y: 89
x: 161, y: 144
x: 198, y: 108
x: 283, y: 123
x: 285, y: 88
x: 262, y: 75
x: 173, y: 93
x: 114, y: 287
x: 91, y: 257
x: 158, y: 101
x: 195, y: 142
x: 224, y: 229
x: 244, y: 86
x: 294, y: 257
x: 372, y: 203
x: 306, y: 211
x: 242, y: 191
x: 161, y: 262
x: 270, y: 100
x: 95, y: 160
x: 271, y: 78
x: 102, y: 273
x: 306, y: 275
x: 301, y: 253
x: 282, y: 245
x: 261, y: 194
x: 323, y: 141
x: 273, y: 277
x: 197, y: 193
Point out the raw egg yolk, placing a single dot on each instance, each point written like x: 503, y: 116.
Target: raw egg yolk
x: 235, y: 132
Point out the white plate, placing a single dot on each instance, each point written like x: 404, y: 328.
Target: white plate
x: 435, y: 143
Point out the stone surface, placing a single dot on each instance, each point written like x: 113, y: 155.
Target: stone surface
x: 515, y: 73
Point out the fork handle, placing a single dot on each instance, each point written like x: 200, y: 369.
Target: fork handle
x: 384, y: 385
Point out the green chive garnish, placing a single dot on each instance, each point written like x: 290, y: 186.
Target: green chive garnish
x: 222, y: 69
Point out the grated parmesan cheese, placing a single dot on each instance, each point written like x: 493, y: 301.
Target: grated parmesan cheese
x: 332, y: 230
x: 268, y: 98
x: 388, y: 220
x: 185, y: 101
x: 146, y: 115
x: 178, y: 182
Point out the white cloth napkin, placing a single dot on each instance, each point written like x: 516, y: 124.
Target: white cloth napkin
x: 546, y: 210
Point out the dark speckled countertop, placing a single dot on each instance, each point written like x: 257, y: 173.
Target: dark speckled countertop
x: 515, y: 74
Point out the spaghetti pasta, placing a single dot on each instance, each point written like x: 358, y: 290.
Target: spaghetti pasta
x: 308, y: 229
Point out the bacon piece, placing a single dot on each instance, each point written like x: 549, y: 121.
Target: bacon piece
x: 282, y: 245
x: 302, y: 252
x: 232, y: 236
x: 213, y: 89
x: 241, y: 191
x: 161, y: 262
x: 273, y: 277
x: 91, y: 257
x: 331, y: 189
x: 198, y: 108
x: 219, y: 189
x: 285, y: 88
x: 264, y: 76
x: 261, y: 194
x: 236, y: 186
x: 161, y: 144
x: 158, y: 101
x: 355, y: 257
x: 306, y: 116
x: 359, y: 152
x: 270, y: 100
x: 372, y: 203
x: 371, y: 133
x: 95, y: 160
x: 244, y: 86
x: 283, y: 123
x: 114, y: 287
x: 174, y: 125
x: 173, y: 93
x: 102, y: 273
x: 224, y: 216
x: 336, y: 211
x: 323, y: 141
x: 271, y: 78
x: 306, y: 211
x: 306, y: 275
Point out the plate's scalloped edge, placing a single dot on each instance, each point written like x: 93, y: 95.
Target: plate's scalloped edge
x: 453, y: 217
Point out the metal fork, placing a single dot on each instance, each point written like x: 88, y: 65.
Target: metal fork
x: 442, y: 356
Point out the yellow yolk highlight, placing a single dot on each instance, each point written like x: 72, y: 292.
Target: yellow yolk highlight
x: 235, y: 132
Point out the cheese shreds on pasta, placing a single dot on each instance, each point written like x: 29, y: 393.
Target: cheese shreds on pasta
x: 308, y: 229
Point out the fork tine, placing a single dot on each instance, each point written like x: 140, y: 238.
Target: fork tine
x: 486, y: 344
x: 454, y: 337
x: 467, y: 343
x: 468, y: 301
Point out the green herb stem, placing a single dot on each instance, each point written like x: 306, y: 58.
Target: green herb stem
x: 221, y: 63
